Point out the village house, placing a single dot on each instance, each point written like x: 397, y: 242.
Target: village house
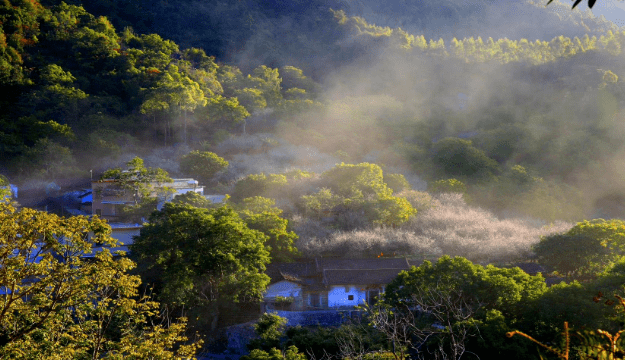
x: 329, y: 283
x: 109, y: 198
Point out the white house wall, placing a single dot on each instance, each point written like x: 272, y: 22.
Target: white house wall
x: 125, y: 236
x: 339, y: 296
x: 283, y: 288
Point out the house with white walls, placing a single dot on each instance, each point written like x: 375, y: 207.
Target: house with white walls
x: 109, y: 198
x: 329, y: 284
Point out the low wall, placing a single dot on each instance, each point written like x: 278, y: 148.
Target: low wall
x: 316, y: 317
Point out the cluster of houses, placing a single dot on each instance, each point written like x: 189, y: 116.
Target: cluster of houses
x: 312, y: 285
x: 310, y: 291
x: 315, y: 290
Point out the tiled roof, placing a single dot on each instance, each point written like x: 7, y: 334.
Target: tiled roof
x: 359, y: 277
x: 290, y: 271
x: 355, y: 264
x: 327, y: 271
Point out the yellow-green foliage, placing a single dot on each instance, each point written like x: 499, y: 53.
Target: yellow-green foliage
x: 447, y: 186
x: 585, y: 250
x: 419, y: 200
x: 292, y: 353
x: 261, y: 214
x: 397, y: 182
x: 360, y: 190
x: 501, y: 50
x: 258, y: 185
x: 202, y: 164
x: 55, y: 304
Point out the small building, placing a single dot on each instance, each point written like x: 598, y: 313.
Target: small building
x: 329, y: 284
x: 123, y: 233
x: 109, y: 198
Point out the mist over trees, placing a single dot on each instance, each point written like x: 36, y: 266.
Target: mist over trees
x: 431, y: 131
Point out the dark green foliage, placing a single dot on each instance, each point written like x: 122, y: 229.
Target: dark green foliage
x: 280, y: 242
x: 318, y: 341
x: 456, y: 157
x: 495, y: 299
x: 352, y: 191
x: 187, y: 244
x: 397, y: 182
x: 203, y: 260
x: 485, y: 288
x: 261, y: 214
x: 194, y: 199
x: 202, y: 164
x: 447, y: 186
x: 258, y: 185
x: 269, y: 329
x: 292, y: 353
x: 585, y: 250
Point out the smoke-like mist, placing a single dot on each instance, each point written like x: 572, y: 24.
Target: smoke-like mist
x: 448, y: 227
x: 562, y: 119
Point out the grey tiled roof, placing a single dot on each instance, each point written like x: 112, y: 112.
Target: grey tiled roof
x: 355, y: 264
x: 321, y: 272
x: 359, y: 277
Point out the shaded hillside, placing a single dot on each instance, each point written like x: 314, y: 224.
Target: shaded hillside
x: 303, y: 33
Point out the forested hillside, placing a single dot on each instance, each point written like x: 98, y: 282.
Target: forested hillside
x: 425, y: 131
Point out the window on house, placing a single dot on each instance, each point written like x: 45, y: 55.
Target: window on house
x: 314, y: 300
x: 350, y: 297
x: 372, y: 296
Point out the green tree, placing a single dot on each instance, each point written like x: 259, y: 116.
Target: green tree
x: 137, y: 178
x: 292, y: 353
x: 56, y: 303
x: 261, y: 214
x: 252, y: 99
x: 194, y: 199
x: 202, y: 164
x: 46, y: 159
x: 258, y: 185
x: 179, y: 92
x: 223, y: 112
x: 57, y: 96
x: 456, y: 157
x: 487, y: 287
x: 359, y: 189
x: 585, y: 250
x: 397, y: 182
x: 201, y: 259
x: 447, y: 186
x: 294, y: 78
x: 464, y: 298
x: 269, y: 329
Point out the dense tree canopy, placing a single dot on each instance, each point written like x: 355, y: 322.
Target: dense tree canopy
x: 584, y: 251
x: 59, y: 300
x: 202, y: 258
x: 359, y: 189
x: 466, y: 299
x: 459, y: 158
